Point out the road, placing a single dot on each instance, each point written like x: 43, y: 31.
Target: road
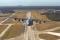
x: 7, y: 18
x: 7, y: 28
x: 29, y: 33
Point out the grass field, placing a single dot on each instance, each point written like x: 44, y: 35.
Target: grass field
x: 48, y: 37
x: 46, y: 26
x: 16, y: 29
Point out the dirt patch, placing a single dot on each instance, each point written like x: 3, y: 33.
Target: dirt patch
x: 2, y: 27
x: 46, y: 26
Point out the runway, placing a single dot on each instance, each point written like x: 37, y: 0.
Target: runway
x: 29, y: 33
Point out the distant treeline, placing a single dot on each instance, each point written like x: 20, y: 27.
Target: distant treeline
x: 29, y: 7
x: 9, y: 9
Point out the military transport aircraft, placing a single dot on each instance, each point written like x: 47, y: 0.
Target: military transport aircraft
x: 28, y: 20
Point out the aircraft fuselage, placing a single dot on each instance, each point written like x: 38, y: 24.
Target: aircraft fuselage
x: 29, y: 22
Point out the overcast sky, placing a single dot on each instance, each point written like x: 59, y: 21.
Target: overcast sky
x: 30, y: 2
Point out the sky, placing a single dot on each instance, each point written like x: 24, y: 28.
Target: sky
x: 29, y: 2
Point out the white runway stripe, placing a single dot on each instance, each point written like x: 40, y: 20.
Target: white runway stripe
x: 7, y: 18
x: 5, y: 30
x: 53, y: 33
